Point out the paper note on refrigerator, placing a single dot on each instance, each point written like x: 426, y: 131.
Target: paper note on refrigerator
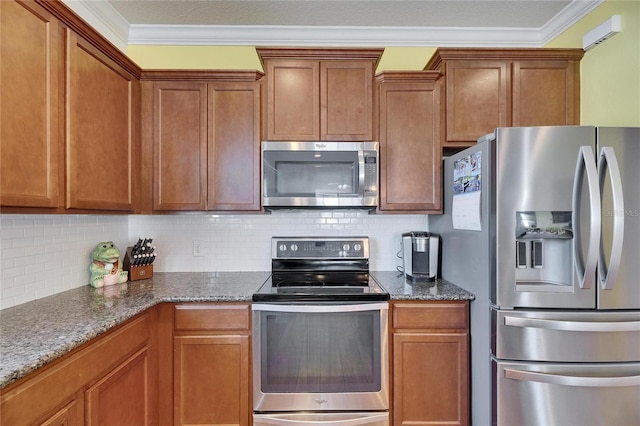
x: 465, y: 211
x: 467, y: 190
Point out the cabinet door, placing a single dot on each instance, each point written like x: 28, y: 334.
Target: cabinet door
x: 430, y: 379
x: 29, y: 150
x: 211, y: 380
x: 410, y: 153
x: 346, y: 100
x: 123, y: 396
x: 180, y: 146
x: 546, y: 93
x: 234, y: 146
x: 293, y: 100
x: 100, y: 129
x: 478, y: 99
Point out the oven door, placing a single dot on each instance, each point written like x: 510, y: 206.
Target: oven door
x: 320, y: 357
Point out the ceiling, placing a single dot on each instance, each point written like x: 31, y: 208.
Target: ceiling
x: 334, y: 22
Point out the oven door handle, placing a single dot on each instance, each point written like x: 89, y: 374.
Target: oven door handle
x: 329, y: 308
x: 300, y: 420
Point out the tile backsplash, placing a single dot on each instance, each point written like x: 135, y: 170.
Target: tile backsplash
x: 46, y: 254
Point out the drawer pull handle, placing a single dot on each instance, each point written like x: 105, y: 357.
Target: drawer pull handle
x: 558, y: 379
x: 605, y: 326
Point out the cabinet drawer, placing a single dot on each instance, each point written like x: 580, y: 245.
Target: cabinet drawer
x: 430, y: 315
x: 212, y: 317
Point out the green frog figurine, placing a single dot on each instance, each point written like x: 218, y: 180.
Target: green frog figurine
x: 105, y: 266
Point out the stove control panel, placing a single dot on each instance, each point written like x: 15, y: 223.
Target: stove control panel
x: 320, y: 248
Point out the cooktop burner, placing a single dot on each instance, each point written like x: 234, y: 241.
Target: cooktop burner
x: 320, y: 270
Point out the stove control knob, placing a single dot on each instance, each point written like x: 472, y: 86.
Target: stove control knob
x: 357, y: 247
x: 343, y: 253
x: 345, y: 247
x: 282, y: 247
x: 294, y: 247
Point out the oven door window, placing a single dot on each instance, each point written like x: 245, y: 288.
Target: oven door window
x: 311, y: 174
x: 321, y: 352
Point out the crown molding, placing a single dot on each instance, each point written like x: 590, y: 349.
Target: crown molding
x: 568, y: 16
x: 106, y: 20
x: 329, y: 36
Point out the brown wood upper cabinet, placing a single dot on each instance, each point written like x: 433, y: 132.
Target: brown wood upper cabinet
x: 102, y: 103
x: 410, y: 111
x: 206, y: 143
x: 489, y: 88
x: 319, y: 94
x: 70, y: 113
x: 29, y: 142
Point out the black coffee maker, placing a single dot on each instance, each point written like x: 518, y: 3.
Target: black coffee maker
x: 420, y: 255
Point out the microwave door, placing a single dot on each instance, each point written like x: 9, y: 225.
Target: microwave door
x: 332, y: 177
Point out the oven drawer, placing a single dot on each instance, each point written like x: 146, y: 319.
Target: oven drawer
x: 324, y: 419
x: 212, y: 317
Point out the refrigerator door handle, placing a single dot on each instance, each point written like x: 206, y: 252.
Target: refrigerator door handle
x: 586, y: 165
x: 563, y: 325
x: 608, y: 158
x: 558, y: 379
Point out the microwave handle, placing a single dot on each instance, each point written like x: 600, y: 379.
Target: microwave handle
x: 361, y: 173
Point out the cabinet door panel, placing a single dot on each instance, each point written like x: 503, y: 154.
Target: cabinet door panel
x: 180, y: 146
x: 410, y: 153
x: 234, y: 146
x: 72, y: 414
x: 477, y: 98
x: 211, y: 380
x: 29, y: 142
x: 100, y: 128
x: 293, y: 100
x: 545, y: 93
x: 346, y: 100
x: 430, y: 379
x: 123, y: 396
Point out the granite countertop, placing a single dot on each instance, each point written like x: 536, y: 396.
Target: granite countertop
x: 35, y: 333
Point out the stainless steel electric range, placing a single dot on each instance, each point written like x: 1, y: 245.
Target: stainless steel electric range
x: 320, y: 336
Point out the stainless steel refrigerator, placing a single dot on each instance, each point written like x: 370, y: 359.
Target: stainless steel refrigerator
x: 543, y: 225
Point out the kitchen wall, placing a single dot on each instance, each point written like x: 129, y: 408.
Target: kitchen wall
x: 46, y: 254
x: 609, y: 86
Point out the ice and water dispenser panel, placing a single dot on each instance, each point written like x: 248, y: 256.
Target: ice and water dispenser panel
x: 544, y: 248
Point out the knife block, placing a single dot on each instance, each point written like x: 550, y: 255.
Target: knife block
x: 141, y: 272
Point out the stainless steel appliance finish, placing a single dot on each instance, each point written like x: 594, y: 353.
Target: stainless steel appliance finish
x: 554, y: 267
x: 320, y: 336
x: 319, y: 175
x: 420, y: 255
x: 326, y: 419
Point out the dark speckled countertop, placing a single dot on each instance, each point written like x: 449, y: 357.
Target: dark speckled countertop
x: 36, y: 333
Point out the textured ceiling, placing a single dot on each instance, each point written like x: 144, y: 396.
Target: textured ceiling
x: 353, y: 13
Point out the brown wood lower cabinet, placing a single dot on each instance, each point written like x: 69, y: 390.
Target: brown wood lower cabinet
x: 430, y: 363
x: 211, y: 365
x: 109, y: 381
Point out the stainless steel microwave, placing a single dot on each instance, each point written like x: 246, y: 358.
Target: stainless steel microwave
x: 320, y: 174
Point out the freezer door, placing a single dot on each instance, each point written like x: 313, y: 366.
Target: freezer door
x: 565, y: 394
x: 535, y: 169
x: 619, y: 172
x: 566, y: 336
